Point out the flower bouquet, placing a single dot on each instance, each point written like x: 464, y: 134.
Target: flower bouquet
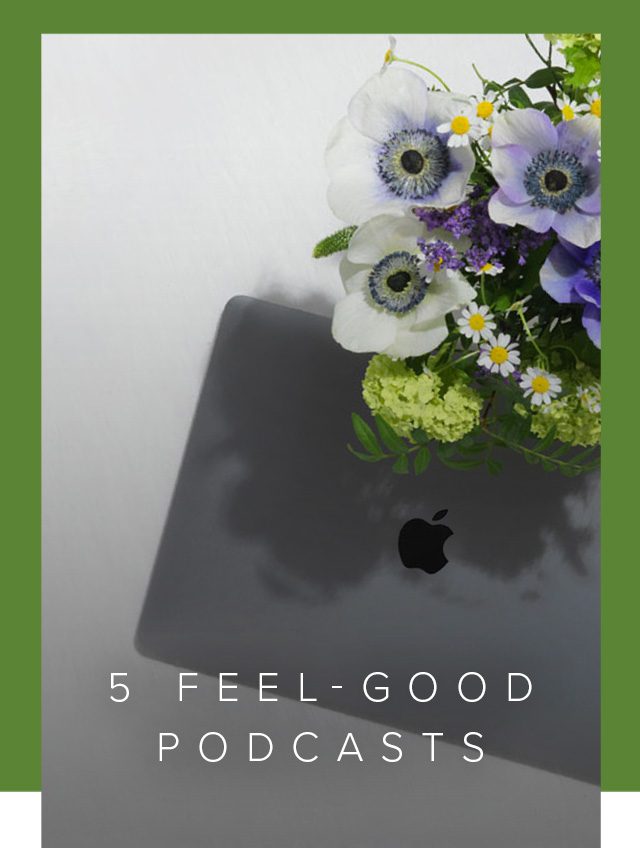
x: 471, y: 262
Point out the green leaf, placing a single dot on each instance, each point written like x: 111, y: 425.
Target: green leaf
x: 531, y: 458
x: 515, y: 427
x: 548, y: 465
x: 495, y: 466
x: 545, y: 442
x: 570, y: 470
x: 422, y: 460
x: 502, y: 303
x: 544, y: 77
x: 445, y: 450
x: 591, y: 466
x: 471, y: 450
x: 519, y: 97
x: 365, y: 457
x: 561, y: 450
x: 583, y: 455
x: 389, y: 436
x: 401, y: 465
x: 333, y: 243
x: 549, y: 108
x: 365, y: 435
x: 420, y: 437
x: 462, y: 464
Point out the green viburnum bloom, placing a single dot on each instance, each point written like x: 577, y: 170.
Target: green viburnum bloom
x: 575, y: 39
x: 575, y: 416
x: 410, y: 401
x: 582, y: 52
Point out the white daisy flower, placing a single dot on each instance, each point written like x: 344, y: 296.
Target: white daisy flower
x: 590, y: 397
x: 569, y: 108
x: 389, y: 56
x: 476, y: 322
x: 593, y: 105
x: 463, y: 126
x: 499, y: 355
x: 387, y: 156
x: 491, y: 269
x: 485, y: 141
x: 541, y: 385
x: 485, y: 106
x: 519, y: 304
x: 391, y: 307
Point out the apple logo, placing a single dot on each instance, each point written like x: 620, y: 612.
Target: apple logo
x: 421, y: 545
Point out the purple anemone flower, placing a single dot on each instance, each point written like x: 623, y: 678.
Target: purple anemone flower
x: 572, y: 275
x: 548, y: 176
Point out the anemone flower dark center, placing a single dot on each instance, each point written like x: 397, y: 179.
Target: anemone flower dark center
x: 399, y: 281
x: 412, y: 161
x: 555, y: 180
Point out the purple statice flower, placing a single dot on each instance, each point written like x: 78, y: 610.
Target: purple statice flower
x: 439, y: 255
x: 572, y: 275
x: 458, y: 221
x: 548, y: 176
x: 528, y: 242
x: 471, y: 219
x: 479, y: 258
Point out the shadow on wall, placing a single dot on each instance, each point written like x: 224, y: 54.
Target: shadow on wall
x: 287, y: 390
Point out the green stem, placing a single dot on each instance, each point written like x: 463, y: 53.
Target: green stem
x: 520, y: 312
x: 547, y: 63
x: 518, y: 448
x: 481, y: 155
x: 571, y: 351
x: 484, y: 296
x: 537, y: 52
x: 479, y: 75
x: 428, y: 70
x: 455, y: 361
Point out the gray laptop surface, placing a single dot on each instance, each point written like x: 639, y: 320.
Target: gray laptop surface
x: 280, y: 554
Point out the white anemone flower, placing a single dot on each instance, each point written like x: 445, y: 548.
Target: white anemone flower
x: 541, y: 385
x: 499, y: 355
x: 387, y: 155
x: 391, y: 306
x: 462, y: 127
x: 476, y: 322
x: 548, y: 175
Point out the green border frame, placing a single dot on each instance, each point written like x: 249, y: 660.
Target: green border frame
x: 20, y: 339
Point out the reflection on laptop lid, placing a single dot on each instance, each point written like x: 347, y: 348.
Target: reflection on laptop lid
x: 280, y: 554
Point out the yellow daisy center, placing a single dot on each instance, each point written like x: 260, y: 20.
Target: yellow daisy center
x: 476, y: 322
x: 485, y: 108
x: 490, y: 130
x: 460, y: 125
x: 540, y: 385
x: 437, y: 265
x: 596, y: 107
x: 487, y: 267
x: 499, y: 355
x: 567, y: 112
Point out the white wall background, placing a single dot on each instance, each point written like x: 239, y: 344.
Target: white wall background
x: 177, y: 172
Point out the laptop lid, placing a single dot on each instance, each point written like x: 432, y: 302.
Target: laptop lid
x: 280, y: 554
